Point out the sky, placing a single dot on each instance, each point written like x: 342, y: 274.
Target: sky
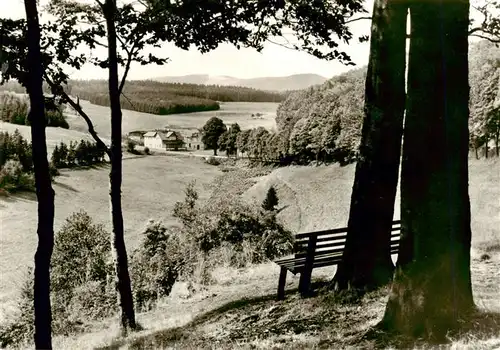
x: 273, y: 60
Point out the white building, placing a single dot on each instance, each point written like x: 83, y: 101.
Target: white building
x: 163, y: 140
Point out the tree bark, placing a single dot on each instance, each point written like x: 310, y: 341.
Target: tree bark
x: 44, y: 191
x: 432, y: 286
x: 115, y: 178
x: 367, y: 260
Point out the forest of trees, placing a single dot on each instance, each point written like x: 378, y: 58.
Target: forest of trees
x: 14, y: 109
x: 154, y: 97
x: 323, y: 123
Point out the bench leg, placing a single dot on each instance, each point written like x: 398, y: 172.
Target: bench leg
x: 281, y: 283
x: 305, y: 282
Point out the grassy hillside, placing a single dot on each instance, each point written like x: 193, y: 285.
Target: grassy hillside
x: 318, y: 198
x: 313, y: 197
x: 239, y: 310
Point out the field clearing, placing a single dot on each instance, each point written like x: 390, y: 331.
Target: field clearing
x: 151, y: 186
x: 230, y: 112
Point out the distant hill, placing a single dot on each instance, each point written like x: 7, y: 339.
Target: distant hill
x: 291, y: 82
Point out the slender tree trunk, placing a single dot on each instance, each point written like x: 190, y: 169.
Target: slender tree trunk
x: 432, y: 286
x: 367, y: 260
x: 486, y: 146
x: 497, y: 143
x: 44, y: 191
x: 119, y: 250
x: 476, y: 152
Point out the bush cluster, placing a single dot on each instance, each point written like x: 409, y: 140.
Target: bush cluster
x: 16, y: 164
x: 14, y: 109
x: 252, y: 233
x: 81, y: 153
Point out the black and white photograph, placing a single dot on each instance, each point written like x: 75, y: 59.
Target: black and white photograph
x: 250, y: 174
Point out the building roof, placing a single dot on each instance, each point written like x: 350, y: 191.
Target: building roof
x: 136, y: 133
x: 163, y: 135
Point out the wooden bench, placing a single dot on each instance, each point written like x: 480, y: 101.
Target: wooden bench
x: 319, y: 249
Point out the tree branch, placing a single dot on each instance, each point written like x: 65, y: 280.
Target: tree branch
x: 282, y: 45
x: 80, y: 111
x: 130, y: 55
x: 357, y: 19
x: 128, y: 100
x: 493, y: 40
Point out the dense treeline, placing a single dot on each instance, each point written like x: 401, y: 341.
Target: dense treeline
x: 16, y: 161
x: 14, y: 109
x: 323, y: 123
x: 77, y: 154
x: 164, y: 98
x: 214, y: 92
x: 142, y: 97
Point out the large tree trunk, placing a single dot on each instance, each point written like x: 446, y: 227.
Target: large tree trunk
x: 44, y: 191
x: 367, y: 260
x: 115, y: 178
x: 432, y: 286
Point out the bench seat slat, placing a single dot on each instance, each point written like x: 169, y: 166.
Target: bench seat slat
x: 300, y: 251
x: 328, y: 238
x: 338, y: 231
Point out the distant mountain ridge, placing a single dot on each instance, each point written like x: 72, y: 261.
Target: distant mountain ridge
x: 291, y: 82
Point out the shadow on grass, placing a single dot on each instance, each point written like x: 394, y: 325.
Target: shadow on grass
x: 480, y: 326
x: 66, y: 187
x: 63, y: 171
x: 19, y: 196
x: 163, y: 338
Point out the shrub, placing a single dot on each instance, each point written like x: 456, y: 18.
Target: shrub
x: 146, y: 150
x: 20, y: 328
x: 81, y: 253
x: 156, y: 265
x: 271, y: 200
x: 229, y: 231
x: 13, y: 178
x: 14, y: 146
x: 212, y: 161
x: 131, y: 147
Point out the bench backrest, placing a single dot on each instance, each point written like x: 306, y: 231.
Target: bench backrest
x: 332, y: 241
